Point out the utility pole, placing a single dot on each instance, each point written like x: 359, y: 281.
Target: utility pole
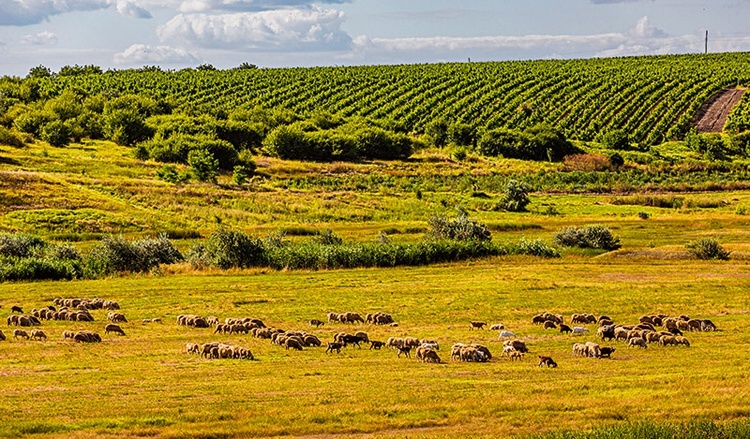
x: 706, y: 41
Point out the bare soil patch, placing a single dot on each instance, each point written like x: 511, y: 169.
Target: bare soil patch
x: 713, y: 114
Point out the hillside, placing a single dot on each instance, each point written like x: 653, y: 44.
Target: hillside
x: 652, y: 98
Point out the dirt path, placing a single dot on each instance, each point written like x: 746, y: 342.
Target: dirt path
x: 713, y: 114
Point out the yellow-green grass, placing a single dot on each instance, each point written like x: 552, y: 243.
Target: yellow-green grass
x: 143, y: 384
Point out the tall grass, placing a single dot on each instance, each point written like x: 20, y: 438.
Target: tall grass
x: 651, y: 430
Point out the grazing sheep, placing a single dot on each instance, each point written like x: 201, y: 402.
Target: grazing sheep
x: 376, y: 345
x: 430, y: 356
x: 381, y: 318
x: 87, y: 337
x: 293, y: 343
x: 593, y: 350
x: 518, y: 345
x: 497, y: 327
x: 549, y: 324
x: 606, y: 352
x: 580, y: 350
x: 20, y: 333
x: 116, y: 317
x: 546, y: 361
x: 707, y: 325
x: 483, y: 350
x: 621, y: 334
x: 477, y: 325
x: 192, y: 348
x: 684, y: 318
x: 606, y: 332
x: 577, y: 330
x: 675, y: 331
x: 641, y: 343
x: 311, y: 340
x: 404, y: 350
x: 645, y: 327
x: 362, y: 336
x: 565, y: 329
x: 668, y: 340
x: 431, y: 344
x: 682, y: 341
x: 68, y: 335
x: 16, y: 308
x: 411, y: 342
x: 604, y: 317
x: 507, y: 350
x: 683, y: 325
x: 113, y: 328
x: 316, y: 323
x: 456, y: 351
x: 652, y: 337
x: 515, y: 355
x: 13, y: 320
x: 506, y: 334
x: 334, y: 347
x: 38, y: 335
x: 606, y: 323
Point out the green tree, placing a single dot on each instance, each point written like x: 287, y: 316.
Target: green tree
x: 516, y: 197
x: 203, y: 165
x: 56, y: 133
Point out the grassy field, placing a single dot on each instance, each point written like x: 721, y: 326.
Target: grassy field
x: 144, y: 385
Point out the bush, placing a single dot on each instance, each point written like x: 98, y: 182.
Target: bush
x: 438, y: 132
x: 20, y: 246
x: 707, y: 248
x: 515, y: 198
x: 616, y: 139
x: 10, y: 138
x: 117, y: 255
x: 596, y: 237
x: 460, y: 228
x: 229, y: 249
x: 586, y: 163
x: 31, y: 122
x: 536, y: 247
x: 461, y: 134
x: 126, y: 127
x: 35, y: 268
x: 327, y: 237
x: 170, y: 174
x: 203, y: 165
x: 56, y: 133
x: 540, y: 142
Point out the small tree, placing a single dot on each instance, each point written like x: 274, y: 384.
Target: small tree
x: 516, y: 197
x: 170, y: 174
x: 617, y: 139
x: 203, y: 165
x: 56, y: 133
x: 707, y: 248
x: 438, y: 132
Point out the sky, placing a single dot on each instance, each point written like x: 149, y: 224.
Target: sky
x: 175, y: 34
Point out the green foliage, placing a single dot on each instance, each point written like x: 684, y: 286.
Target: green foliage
x: 536, y: 247
x: 243, y: 171
x: 203, y: 165
x: 437, y: 130
x: 117, y: 255
x: 170, y: 174
x: 541, y: 142
x: 712, y: 146
x: 65, y: 106
x: 10, y: 138
x: 460, y: 228
x: 126, y: 127
x: 56, y: 133
x: 596, y: 237
x: 327, y: 237
x: 461, y: 134
x: 228, y: 249
x: 707, y: 248
x: 39, y: 71
x: 515, y: 197
x: 177, y: 149
x: 26, y: 257
x: 616, y: 140
x: 31, y: 122
x: 19, y: 245
x: 77, y: 70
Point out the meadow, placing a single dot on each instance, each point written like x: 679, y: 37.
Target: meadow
x: 144, y: 384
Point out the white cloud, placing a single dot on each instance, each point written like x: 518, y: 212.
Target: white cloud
x: 130, y: 8
x: 141, y: 54
x: 189, y: 6
x: 282, y: 30
x: 25, y: 12
x: 45, y: 38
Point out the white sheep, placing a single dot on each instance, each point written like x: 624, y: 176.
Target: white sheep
x: 506, y: 334
x: 577, y: 330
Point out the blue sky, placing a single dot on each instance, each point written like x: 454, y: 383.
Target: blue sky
x: 280, y: 33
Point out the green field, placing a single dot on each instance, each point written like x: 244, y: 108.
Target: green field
x: 659, y: 198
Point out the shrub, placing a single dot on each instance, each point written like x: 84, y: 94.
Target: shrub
x: 515, y: 197
x: 536, y: 247
x: 170, y: 174
x: 117, y: 255
x: 56, y: 133
x: 10, y: 138
x: 540, y: 142
x: 586, y: 163
x: 437, y: 130
x: 203, y: 165
x: 327, y: 237
x: 20, y: 246
x: 596, y: 237
x: 19, y: 269
x: 707, y: 248
x: 126, y: 127
x: 461, y: 134
x: 460, y: 228
x: 616, y: 139
x: 31, y: 122
x: 229, y: 249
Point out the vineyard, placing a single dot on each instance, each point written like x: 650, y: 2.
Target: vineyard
x: 652, y: 98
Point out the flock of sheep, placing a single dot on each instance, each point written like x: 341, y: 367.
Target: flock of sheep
x: 651, y: 329
x: 73, y: 310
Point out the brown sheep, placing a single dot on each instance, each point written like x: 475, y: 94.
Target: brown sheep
x: 311, y: 340
x: 538, y: 319
x: 517, y: 345
x: 497, y: 327
x: 20, y: 333
x: 13, y: 320
x: 316, y: 323
x: 334, y: 347
x: 593, y: 349
x: 430, y: 356
x: 641, y: 343
x: 68, y: 335
x: 412, y: 342
x: 192, y: 348
x: 362, y: 336
x: 606, y: 352
x: 376, y: 345
x: 16, y: 308
x: 293, y: 343
x: 113, y: 328
x: 477, y: 325
x: 695, y: 325
x: 546, y: 361
x: 565, y: 329
x: 38, y: 335
x: 667, y: 340
x: 404, y: 350
x: 549, y: 324
x: 682, y: 341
